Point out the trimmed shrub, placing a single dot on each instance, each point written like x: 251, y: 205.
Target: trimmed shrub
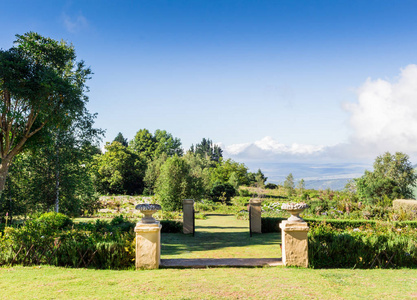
x: 271, y: 224
x: 369, y: 248
x: 171, y: 226
x: 55, y: 220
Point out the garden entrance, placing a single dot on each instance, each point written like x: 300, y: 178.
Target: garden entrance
x: 220, y: 240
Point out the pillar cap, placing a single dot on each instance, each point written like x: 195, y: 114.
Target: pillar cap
x: 188, y: 201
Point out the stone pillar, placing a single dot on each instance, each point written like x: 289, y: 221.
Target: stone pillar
x: 148, y: 245
x: 188, y: 216
x: 294, y: 243
x: 255, y: 215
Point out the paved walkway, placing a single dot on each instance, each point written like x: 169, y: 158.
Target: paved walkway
x: 220, y: 262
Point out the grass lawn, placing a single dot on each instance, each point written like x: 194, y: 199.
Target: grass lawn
x: 229, y: 283
x: 221, y: 236
x: 216, y: 237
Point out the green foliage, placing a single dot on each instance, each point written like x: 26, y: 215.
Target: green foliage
x: 222, y: 192
x: 55, y: 220
x: 150, y: 146
x: 393, y: 177
x: 271, y: 224
x: 271, y: 186
x: 289, y: 185
x: 224, y: 170
x: 42, y: 88
x: 120, y: 138
x: 174, y: 183
x: 152, y: 173
x: 370, y: 248
x: 118, y: 171
x: 171, y: 226
x: 207, y: 149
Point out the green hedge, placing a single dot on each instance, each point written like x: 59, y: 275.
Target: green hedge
x: 51, y: 239
x: 379, y: 248
x: 171, y: 226
x: 272, y: 224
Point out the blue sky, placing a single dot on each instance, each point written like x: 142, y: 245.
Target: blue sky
x: 271, y: 81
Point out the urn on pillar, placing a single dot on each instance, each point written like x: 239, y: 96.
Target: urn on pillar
x: 148, y: 238
x: 294, y: 233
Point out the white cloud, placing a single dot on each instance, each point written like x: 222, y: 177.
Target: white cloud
x: 385, y: 116
x: 76, y: 24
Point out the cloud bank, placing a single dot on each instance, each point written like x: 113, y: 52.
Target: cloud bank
x: 384, y: 118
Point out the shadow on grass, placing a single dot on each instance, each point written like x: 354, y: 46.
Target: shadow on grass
x: 177, y: 243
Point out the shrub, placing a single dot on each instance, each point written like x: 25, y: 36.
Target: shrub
x: 55, y: 220
x: 170, y: 226
x: 368, y: 248
x: 223, y: 192
x: 271, y: 224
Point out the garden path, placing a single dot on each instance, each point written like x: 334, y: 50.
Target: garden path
x: 220, y: 240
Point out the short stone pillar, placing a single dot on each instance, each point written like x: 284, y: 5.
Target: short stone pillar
x: 188, y: 216
x: 148, y: 238
x: 294, y: 243
x: 255, y: 215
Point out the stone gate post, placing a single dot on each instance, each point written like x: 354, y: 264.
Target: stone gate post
x: 255, y: 215
x: 188, y: 216
x: 294, y: 243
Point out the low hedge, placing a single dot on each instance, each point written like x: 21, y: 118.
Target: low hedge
x: 51, y: 239
x: 272, y: 224
x: 378, y: 248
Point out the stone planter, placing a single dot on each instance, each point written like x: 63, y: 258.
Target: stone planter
x: 148, y: 210
x: 294, y: 209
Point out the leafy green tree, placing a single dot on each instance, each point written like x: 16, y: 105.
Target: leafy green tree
x: 118, y: 171
x: 41, y: 86
x: 393, y: 177
x: 151, y: 146
x: 152, y: 173
x: 301, y: 185
x: 225, y: 168
x: 207, y: 148
x: 289, y: 184
x: 119, y: 138
x: 174, y: 183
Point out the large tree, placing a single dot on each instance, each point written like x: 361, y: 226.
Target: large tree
x: 393, y: 176
x: 41, y: 86
x: 152, y: 146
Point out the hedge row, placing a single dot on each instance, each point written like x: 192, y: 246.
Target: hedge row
x: 53, y: 239
x: 272, y: 224
x: 335, y: 248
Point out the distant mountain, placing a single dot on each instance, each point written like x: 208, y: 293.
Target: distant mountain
x: 333, y: 184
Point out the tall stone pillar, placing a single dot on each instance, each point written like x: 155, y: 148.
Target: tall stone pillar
x: 148, y: 238
x: 294, y: 243
x: 255, y: 215
x: 188, y: 216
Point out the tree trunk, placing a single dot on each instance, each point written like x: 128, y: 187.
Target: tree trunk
x: 4, y: 170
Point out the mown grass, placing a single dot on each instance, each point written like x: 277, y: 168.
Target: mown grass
x: 220, y: 283
x: 221, y: 236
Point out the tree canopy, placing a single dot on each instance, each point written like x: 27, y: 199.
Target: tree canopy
x: 393, y: 176
x: 41, y: 86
